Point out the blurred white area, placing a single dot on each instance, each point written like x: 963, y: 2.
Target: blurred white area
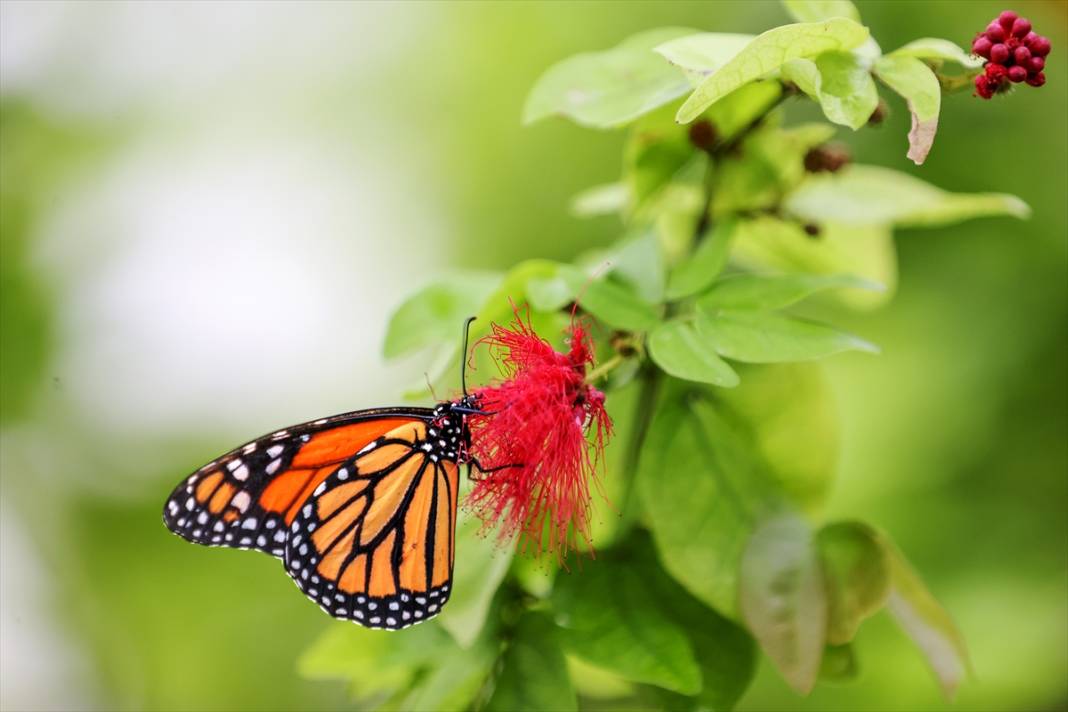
x: 38, y: 668
x: 227, y: 266
x: 220, y: 278
x: 231, y: 264
x: 103, y: 57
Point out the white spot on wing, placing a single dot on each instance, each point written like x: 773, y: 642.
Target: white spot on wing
x: 241, y: 500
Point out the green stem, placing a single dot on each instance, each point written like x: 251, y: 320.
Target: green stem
x: 652, y: 378
x: 643, y: 417
x: 605, y: 368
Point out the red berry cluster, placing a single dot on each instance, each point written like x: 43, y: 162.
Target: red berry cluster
x: 1013, y: 52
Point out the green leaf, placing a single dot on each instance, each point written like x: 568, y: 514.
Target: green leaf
x: 454, y: 683
x: 925, y: 621
x: 435, y: 314
x: 816, y: 10
x: 611, y: 302
x: 738, y: 110
x: 755, y: 291
x: 654, y: 154
x: 476, y: 577
x: 638, y: 261
x: 510, y: 292
x: 839, y: 664
x: 870, y: 195
x: 856, y: 572
x: 773, y: 165
x: 935, y: 50
x: 610, y: 88
x: 725, y: 652
x: 702, y: 487
x: 704, y: 52
x: 782, y: 598
x: 373, y: 661
x: 684, y: 352
x: 840, y: 82
x: 794, y: 421
x: 603, y: 199
x: 549, y: 293
x: 919, y: 87
x: 497, y: 307
x: 865, y: 250
x: 533, y: 672
x: 596, y: 682
x: 701, y: 270
x: 763, y: 337
x: 767, y: 53
x: 750, y: 184
x: 610, y: 619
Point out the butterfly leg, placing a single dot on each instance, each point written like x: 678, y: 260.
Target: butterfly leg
x: 474, y: 464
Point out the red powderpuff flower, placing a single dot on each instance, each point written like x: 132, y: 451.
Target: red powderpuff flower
x: 1014, y: 54
x: 541, y: 439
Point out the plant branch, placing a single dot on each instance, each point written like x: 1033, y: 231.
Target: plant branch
x: 605, y: 368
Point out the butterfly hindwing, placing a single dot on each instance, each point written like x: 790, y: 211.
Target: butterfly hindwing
x: 248, y: 498
x: 374, y: 543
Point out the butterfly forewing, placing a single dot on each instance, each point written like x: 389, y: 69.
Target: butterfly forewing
x: 247, y: 498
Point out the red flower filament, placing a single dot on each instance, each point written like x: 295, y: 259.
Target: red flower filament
x: 541, y: 441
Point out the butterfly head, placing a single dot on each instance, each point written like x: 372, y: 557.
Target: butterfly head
x: 450, y: 423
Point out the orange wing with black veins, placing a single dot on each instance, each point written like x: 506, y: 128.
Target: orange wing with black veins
x: 375, y: 541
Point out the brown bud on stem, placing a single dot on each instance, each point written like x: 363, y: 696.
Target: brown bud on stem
x: 829, y: 157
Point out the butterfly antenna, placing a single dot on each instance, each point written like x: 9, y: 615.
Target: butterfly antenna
x: 429, y: 385
x: 463, y: 355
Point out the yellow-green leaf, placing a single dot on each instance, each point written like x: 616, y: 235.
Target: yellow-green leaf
x: 767, y: 53
x: 610, y: 88
x: 864, y: 250
x: 872, y: 195
x: 936, y: 50
x: 704, y: 52
x: 925, y: 621
x: 761, y: 291
x: 919, y: 87
x: 840, y: 82
x: 856, y: 573
x: 816, y: 10
x: 782, y: 598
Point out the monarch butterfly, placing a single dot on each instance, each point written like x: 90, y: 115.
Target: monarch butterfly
x: 360, y: 507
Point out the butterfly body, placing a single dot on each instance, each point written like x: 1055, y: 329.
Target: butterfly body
x: 360, y: 507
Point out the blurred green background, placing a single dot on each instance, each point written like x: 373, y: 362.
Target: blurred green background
x: 209, y: 210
